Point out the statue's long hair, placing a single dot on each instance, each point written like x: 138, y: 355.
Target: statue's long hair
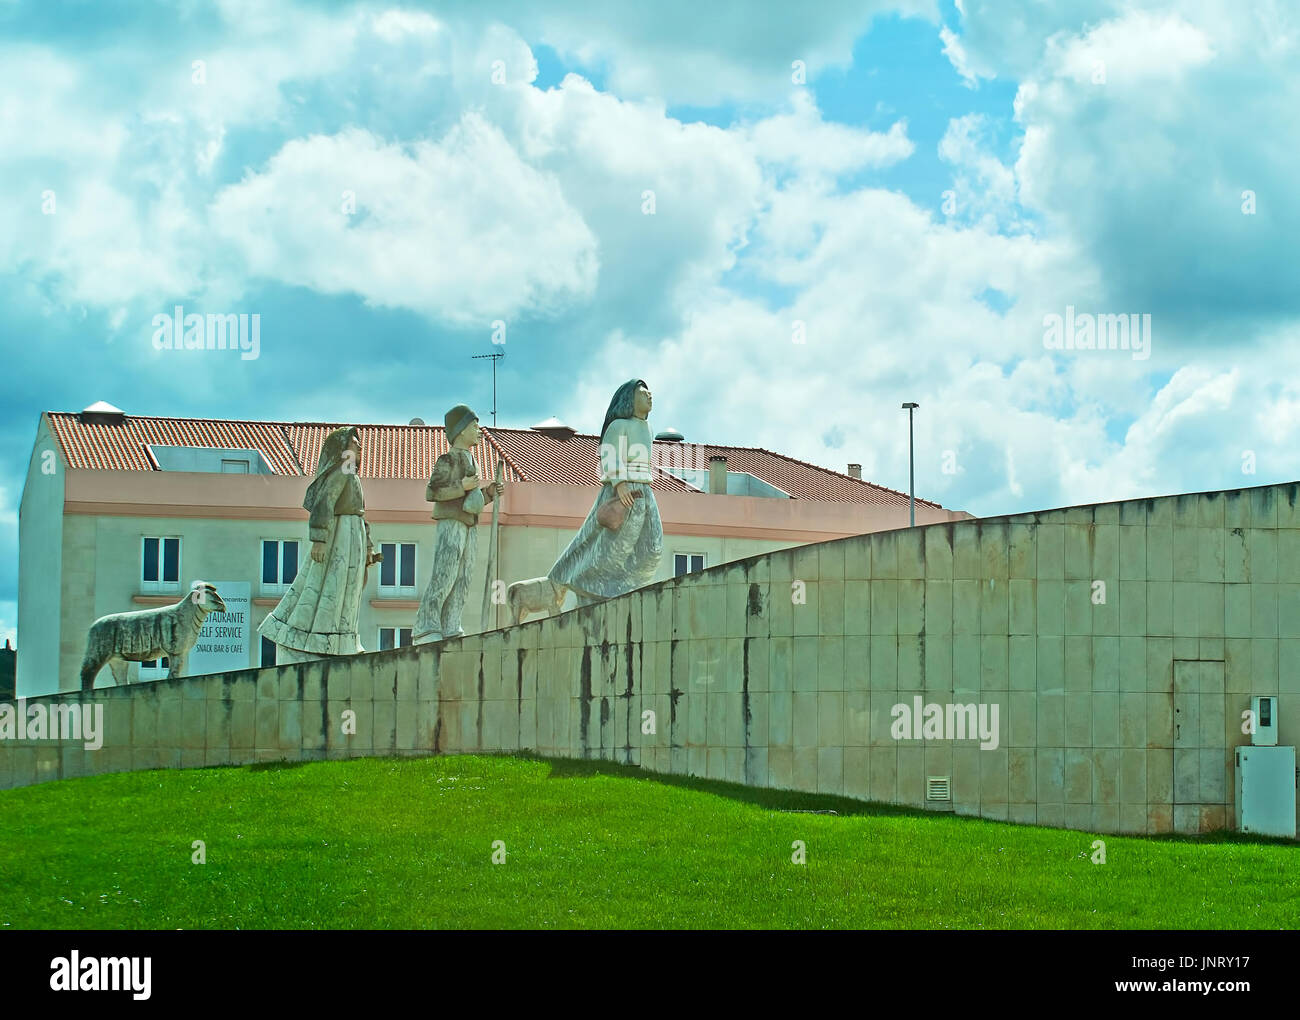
x: 623, y: 405
x: 331, y: 460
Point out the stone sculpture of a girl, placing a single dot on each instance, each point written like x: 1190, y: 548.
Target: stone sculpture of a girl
x: 619, y: 546
x: 318, y: 614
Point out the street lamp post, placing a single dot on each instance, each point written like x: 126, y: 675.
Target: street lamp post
x: 911, y: 467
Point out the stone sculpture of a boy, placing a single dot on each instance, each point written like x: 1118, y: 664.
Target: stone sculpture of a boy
x: 458, y: 497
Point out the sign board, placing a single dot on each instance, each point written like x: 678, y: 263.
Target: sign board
x: 223, y: 642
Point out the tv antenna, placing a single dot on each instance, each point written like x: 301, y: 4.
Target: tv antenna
x: 495, y: 358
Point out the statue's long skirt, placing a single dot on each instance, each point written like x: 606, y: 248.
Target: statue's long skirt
x: 602, y: 564
x: 318, y: 614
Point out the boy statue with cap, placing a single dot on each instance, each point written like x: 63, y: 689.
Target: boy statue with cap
x: 458, y: 497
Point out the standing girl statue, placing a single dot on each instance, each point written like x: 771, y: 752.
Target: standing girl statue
x: 318, y: 614
x: 620, y: 544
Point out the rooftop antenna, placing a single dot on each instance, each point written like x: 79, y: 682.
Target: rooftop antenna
x: 495, y: 357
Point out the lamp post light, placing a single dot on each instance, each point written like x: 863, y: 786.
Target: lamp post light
x: 911, y: 467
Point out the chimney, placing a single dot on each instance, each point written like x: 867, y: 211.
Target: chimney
x: 718, y: 475
x: 102, y: 413
x: 855, y: 471
x: 555, y: 428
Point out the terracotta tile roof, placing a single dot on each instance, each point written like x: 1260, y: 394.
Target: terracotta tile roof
x: 797, y: 477
x: 409, y: 451
x: 124, y: 447
x: 393, y: 451
x: 290, y: 448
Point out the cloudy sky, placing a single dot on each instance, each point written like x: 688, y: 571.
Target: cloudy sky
x: 787, y: 218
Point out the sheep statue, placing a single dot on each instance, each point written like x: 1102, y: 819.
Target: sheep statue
x: 536, y: 595
x: 148, y: 634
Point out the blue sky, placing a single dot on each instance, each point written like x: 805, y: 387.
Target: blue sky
x: 381, y: 182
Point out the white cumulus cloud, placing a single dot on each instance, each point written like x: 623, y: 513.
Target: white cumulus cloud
x: 459, y: 229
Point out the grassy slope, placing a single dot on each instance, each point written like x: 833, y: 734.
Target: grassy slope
x: 407, y: 843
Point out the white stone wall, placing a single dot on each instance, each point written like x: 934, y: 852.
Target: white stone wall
x: 1116, y: 716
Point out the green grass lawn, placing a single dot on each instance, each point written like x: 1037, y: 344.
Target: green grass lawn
x: 408, y: 843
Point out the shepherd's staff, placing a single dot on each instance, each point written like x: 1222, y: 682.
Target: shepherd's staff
x: 492, y: 550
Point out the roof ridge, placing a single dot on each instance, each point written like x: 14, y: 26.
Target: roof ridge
x: 267, y: 422
x: 293, y: 454
x: 523, y: 475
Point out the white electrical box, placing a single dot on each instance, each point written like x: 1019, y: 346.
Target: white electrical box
x: 1266, y: 791
x: 1265, y: 713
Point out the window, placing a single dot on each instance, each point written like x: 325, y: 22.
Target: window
x: 154, y: 669
x: 687, y: 563
x: 387, y: 634
x: 268, y: 652
x: 279, y: 563
x: 397, y: 571
x: 234, y: 467
x: 160, y: 567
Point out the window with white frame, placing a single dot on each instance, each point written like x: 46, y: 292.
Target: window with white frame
x: 394, y: 637
x: 397, y: 571
x: 687, y: 563
x: 279, y: 564
x: 160, y: 564
x: 154, y: 669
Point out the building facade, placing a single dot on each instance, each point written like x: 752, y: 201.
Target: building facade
x: 122, y: 512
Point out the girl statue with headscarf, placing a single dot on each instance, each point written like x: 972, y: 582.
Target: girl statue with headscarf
x: 317, y: 616
x: 619, y: 546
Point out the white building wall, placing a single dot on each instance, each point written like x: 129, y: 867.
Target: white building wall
x: 40, y: 567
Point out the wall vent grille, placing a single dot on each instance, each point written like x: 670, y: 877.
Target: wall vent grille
x: 938, y: 788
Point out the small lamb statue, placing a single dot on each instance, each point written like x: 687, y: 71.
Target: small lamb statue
x: 148, y: 634
x: 536, y: 595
